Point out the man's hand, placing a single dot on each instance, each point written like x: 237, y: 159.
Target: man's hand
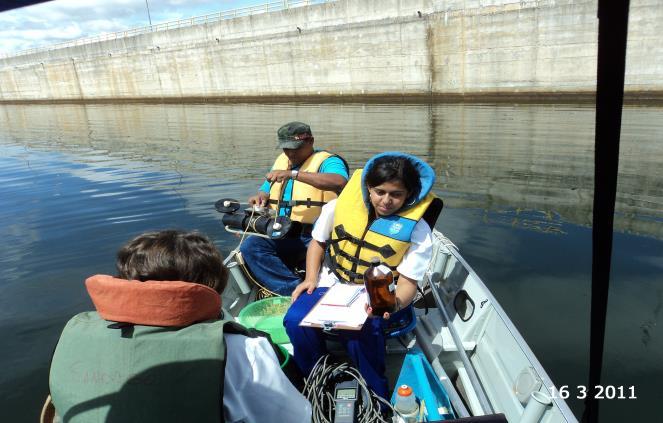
x: 260, y: 199
x: 279, y: 175
x: 307, y: 286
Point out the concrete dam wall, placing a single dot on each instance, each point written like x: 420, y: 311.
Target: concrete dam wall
x: 353, y: 48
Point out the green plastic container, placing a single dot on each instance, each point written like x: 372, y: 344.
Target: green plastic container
x: 267, y: 315
x: 286, y: 354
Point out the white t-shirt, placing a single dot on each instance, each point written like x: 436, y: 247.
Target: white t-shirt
x: 255, y: 389
x: 414, y: 263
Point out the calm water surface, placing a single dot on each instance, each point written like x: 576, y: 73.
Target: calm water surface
x: 76, y: 182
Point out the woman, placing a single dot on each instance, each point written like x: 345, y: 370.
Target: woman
x: 381, y: 212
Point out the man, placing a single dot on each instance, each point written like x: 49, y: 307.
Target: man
x: 300, y: 182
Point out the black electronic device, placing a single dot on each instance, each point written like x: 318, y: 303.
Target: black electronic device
x: 255, y: 220
x: 346, y: 395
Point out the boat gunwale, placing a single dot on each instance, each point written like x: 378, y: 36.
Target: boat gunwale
x: 547, y: 382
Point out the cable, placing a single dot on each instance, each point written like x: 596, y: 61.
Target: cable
x: 322, y: 380
x: 268, y: 292
x: 246, y: 229
x: 262, y: 291
x: 252, y: 222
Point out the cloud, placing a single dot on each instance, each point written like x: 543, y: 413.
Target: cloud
x: 63, y: 20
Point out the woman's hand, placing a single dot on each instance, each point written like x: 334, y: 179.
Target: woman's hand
x: 307, y: 285
x: 406, y: 289
x: 314, y: 256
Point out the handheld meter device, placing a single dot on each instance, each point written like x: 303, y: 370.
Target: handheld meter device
x: 346, y: 395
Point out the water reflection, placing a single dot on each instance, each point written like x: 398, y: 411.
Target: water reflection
x: 77, y: 181
x: 533, y: 164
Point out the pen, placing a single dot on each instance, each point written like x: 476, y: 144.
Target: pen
x: 348, y: 303
x: 355, y: 296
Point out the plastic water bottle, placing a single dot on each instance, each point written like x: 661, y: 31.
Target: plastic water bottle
x: 406, y: 405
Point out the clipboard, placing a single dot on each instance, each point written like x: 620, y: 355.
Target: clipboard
x: 341, y: 307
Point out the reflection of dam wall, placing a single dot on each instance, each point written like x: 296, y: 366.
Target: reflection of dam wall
x: 542, y: 158
x: 351, y: 48
x: 497, y: 158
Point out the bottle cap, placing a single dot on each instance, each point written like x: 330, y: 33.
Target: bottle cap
x: 375, y: 260
x: 404, y: 391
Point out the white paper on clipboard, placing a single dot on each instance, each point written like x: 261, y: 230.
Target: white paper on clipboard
x: 342, y: 307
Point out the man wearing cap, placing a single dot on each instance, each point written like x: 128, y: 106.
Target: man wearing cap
x: 300, y: 182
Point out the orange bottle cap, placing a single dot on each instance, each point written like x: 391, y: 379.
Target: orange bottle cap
x: 404, y: 391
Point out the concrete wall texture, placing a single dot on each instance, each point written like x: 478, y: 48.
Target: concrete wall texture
x: 455, y: 48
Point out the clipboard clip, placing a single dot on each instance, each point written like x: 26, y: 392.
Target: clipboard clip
x: 328, y: 325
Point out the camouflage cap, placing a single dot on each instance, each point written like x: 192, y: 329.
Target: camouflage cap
x: 292, y: 135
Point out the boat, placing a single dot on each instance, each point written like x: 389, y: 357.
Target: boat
x: 475, y: 351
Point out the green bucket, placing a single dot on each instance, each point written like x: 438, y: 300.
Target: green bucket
x: 267, y: 315
x: 286, y: 354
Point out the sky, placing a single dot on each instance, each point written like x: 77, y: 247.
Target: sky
x: 64, y: 20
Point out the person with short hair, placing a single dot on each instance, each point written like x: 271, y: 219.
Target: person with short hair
x: 158, y: 348
x: 386, y: 210
x: 300, y: 182
x: 172, y: 255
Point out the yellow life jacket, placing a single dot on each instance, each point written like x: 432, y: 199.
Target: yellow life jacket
x: 306, y: 200
x: 355, y: 239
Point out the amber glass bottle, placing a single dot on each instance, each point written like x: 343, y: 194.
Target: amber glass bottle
x: 379, y: 282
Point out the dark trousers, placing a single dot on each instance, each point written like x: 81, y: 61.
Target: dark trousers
x: 366, y: 347
x: 267, y: 258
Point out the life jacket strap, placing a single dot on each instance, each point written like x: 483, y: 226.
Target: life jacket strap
x: 292, y: 203
x: 347, y: 276
x: 350, y: 275
x: 385, y: 251
x: 332, y: 266
x: 339, y: 252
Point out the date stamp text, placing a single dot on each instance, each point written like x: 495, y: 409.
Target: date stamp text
x: 599, y: 392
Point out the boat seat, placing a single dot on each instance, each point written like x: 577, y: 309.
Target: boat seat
x: 401, y: 323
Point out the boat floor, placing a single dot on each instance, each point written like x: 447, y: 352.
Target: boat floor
x: 393, y: 359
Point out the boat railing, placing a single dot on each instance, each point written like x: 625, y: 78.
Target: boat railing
x: 273, y: 6
x: 445, y: 249
x: 452, y: 251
